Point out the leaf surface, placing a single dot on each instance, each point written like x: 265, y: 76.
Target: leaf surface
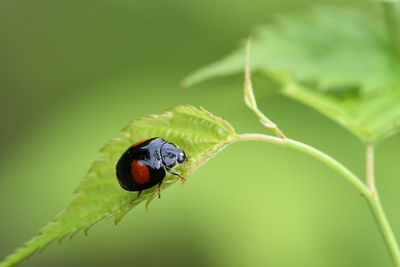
x: 197, y: 131
x: 336, y: 61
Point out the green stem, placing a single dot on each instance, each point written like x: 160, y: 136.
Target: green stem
x: 391, y: 12
x: 249, y: 97
x: 385, y: 229
x: 370, y: 172
x: 328, y: 160
x: 369, y: 192
x: 377, y: 209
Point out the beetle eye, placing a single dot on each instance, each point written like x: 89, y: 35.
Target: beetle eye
x: 181, y: 157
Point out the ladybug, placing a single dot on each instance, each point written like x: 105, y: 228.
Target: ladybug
x: 143, y: 165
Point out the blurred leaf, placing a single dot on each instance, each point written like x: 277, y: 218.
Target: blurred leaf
x: 372, y: 117
x: 198, y: 132
x: 336, y: 61
x: 331, y: 48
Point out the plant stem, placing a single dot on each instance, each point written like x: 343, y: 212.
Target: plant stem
x: 385, y: 228
x: 391, y: 12
x: 249, y: 97
x: 328, y: 160
x: 377, y: 209
x: 370, y: 172
x: 368, y: 191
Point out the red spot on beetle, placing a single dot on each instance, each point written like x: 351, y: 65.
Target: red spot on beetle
x: 140, y: 172
x: 140, y: 142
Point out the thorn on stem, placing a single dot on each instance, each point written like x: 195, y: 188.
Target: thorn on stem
x: 374, y: 194
x: 282, y: 136
x: 274, y: 127
x: 268, y: 125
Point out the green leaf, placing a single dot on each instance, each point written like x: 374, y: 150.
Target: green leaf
x: 336, y: 61
x: 372, y: 118
x: 198, y: 132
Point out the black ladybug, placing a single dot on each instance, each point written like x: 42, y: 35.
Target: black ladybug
x: 143, y: 165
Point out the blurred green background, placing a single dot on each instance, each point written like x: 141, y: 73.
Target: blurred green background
x: 73, y: 73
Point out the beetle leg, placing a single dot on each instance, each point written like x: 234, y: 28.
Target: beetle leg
x: 177, y: 174
x: 180, y: 176
x: 159, y: 190
x: 137, y: 197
